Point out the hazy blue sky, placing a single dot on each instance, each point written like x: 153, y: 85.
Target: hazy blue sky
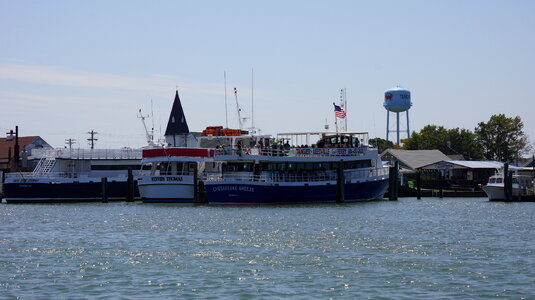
x: 68, y: 67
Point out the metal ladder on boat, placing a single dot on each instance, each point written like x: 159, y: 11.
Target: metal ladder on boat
x: 45, y: 164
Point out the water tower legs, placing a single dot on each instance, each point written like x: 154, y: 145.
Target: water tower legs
x: 397, y: 130
x: 387, y: 125
x: 408, y: 130
x: 397, y: 127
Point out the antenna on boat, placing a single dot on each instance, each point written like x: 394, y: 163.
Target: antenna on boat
x: 149, y: 136
x: 152, y: 117
x: 343, y: 103
x: 226, y: 112
x: 238, y: 109
x: 252, y: 101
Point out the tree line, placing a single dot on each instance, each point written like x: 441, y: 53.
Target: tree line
x: 501, y: 139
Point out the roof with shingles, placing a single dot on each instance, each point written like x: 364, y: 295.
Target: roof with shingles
x: 5, y: 144
x: 415, y: 159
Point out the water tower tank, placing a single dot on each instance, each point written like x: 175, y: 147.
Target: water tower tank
x: 397, y: 99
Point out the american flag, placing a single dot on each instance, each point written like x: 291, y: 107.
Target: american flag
x: 339, y: 111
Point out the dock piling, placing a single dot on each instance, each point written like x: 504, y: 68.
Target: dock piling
x: 418, y: 186
x: 393, y: 182
x: 195, y: 184
x: 130, y: 186
x: 507, y: 183
x: 440, y: 185
x: 104, y: 183
x: 340, y: 182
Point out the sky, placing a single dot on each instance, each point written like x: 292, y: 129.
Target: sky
x: 69, y: 67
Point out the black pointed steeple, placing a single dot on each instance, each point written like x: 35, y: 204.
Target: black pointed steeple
x: 177, y: 124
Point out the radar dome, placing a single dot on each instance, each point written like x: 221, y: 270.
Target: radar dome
x: 397, y: 99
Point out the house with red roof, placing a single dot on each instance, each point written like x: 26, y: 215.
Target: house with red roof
x: 26, y: 144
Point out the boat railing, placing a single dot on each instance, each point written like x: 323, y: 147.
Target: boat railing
x: 59, y: 175
x: 291, y: 152
x: 298, y: 177
x: 62, y: 153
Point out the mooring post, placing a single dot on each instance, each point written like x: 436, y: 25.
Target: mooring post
x: 130, y: 187
x: 195, y: 184
x: 418, y: 186
x: 396, y: 177
x: 440, y: 185
x: 104, y: 184
x: 506, y: 183
x: 393, y: 182
x: 340, y: 182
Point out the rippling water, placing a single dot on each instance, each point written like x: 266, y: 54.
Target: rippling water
x: 430, y: 248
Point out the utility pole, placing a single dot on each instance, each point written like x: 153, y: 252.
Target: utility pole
x: 70, y: 142
x: 92, y: 139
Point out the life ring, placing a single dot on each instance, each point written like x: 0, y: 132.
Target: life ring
x: 59, y: 153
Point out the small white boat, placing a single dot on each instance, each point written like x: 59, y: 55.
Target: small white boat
x: 522, y: 183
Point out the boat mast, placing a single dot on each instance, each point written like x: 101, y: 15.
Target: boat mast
x: 238, y: 109
x: 226, y: 112
x: 149, y: 136
x: 343, y: 103
x: 252, y: 102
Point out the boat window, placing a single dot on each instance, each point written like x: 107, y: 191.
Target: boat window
x: 492, y: 180
x: 498, y: 180
x: 357, y: 164
x: 515, y: 180
x: 118, y: 167
x: 309, y: 166
x: 238, y: 167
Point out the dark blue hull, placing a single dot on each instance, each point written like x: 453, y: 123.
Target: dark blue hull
x: 247, y: 193
x: 65, y: 192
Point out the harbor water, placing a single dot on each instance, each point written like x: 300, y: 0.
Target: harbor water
x: 430, y: 248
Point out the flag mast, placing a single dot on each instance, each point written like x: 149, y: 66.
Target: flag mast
x: 226, y: 111
x: 345, y: 107
x: 335, y: 118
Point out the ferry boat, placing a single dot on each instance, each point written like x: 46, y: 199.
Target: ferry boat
x: 338, y: 167
x: 176, y: 174
x: 171, y: 174
x: 522, y: 184
x: 74, y: 175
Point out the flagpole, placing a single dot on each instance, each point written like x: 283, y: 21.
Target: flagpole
x: 226, y: 112
x: 345, y: 107
x: 335, y: 119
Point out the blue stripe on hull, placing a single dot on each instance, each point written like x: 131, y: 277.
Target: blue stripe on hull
x: 64, y: 192
x: 270, y: 194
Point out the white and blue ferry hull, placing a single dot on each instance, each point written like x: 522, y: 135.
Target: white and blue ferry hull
x: 228, y: 192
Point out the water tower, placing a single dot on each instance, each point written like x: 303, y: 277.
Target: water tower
x: 397, y: 100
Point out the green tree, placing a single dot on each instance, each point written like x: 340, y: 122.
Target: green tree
x: 429, y: 137
x: 463, y: 141
x: 381, y: 144
x: 502, y: 138
x: 448, y: 141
